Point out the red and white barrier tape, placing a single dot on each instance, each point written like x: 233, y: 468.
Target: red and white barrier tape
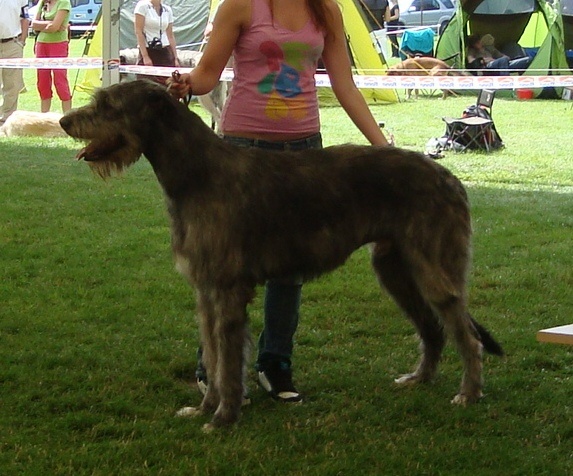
x: 457, y: 82
x: 369, y: 81
x: 55, y: 63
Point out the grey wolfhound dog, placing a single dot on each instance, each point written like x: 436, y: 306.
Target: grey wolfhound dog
x: 242, y: 216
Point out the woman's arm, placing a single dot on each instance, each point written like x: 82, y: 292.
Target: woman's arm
x: 53, y: 26
x: 139, y: 24
x: 396, y: 15
x: 229, y: 20
x: 386, y: 14
x: 338, y: 67
x: 172, y: 43
x: 36, y: 20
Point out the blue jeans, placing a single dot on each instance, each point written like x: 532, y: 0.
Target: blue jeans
x: 312, y: 142
x: 520, y: 63
x: 505, y: 65
x: 282, y: 296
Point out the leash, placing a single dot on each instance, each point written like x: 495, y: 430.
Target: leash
x: 176, y: 78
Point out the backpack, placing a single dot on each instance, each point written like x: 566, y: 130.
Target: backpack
x: 491, y: 134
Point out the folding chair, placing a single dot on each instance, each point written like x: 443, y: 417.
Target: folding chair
x: 485, y: 100
x: 476, y: 131
x: 417, y: 42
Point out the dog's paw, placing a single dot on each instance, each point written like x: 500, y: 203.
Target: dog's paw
x: 189, y: 412
x: 407, y: 379
x: 463, y: 399
x: 218, y: 424
x: 460, y: 399
x: 208, y: 428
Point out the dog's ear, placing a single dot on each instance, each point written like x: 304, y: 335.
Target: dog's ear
x: 101, y: 99
x: 158, y: 98
x: 160, y: 104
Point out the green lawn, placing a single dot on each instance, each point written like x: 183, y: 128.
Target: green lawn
x: 98, y: 335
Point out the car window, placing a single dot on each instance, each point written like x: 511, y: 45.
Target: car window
x: 448, y: 4
x: 419, y: 5
x: 431, y: 5
x: 78, y: 3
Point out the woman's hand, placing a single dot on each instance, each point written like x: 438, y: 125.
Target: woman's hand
x: 179, y: 85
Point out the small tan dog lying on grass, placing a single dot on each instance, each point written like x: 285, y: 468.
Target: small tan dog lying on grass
x: 30, y: 123
x: 423, y: 66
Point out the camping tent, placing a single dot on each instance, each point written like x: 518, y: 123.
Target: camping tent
x: 535, y: 25
x: 190, y: 19
x: 567, y: 16
x: 365, y: 58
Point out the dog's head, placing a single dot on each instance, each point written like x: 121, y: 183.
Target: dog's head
x: 118, y: 124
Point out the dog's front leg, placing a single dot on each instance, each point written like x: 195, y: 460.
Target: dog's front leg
x: 206, y: 302
x: 230, y: 339
x: 207, y: 320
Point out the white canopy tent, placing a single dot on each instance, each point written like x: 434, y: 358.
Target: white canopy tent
x: 190, y: 19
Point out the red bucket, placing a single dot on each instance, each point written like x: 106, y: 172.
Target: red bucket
x: 524, y: 94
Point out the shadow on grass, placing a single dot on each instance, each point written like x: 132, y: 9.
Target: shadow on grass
x: 98, y: 343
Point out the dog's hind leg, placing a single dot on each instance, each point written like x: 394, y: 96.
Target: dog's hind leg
x: 393, y: 274
x: 458, y: 324
x: 440, y: 274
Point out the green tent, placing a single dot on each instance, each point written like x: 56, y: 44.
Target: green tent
x: 534, y: 25
x: 567, y: 16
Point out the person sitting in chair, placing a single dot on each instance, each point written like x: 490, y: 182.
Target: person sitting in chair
x: 482, y: 54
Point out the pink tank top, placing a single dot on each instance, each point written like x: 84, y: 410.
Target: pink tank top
x: 273, y: 89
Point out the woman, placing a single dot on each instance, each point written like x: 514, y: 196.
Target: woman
x: 392, y: 25
x: 154, y: 33
x: 377, y: 12
x: 276, y: 45
x: 51, y: 25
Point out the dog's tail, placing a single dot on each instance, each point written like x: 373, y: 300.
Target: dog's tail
x: 489, y: 343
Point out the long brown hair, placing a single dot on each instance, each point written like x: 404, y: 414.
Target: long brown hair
x: 320, y: 15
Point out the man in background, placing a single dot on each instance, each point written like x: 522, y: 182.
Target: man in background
x: 13, y: 34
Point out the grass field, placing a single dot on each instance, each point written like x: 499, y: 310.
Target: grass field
x: 98, y: 336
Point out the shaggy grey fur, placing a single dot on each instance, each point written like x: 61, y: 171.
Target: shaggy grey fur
x: 242, y: 216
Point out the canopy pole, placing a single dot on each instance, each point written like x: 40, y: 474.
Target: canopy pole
x: 110, y: 46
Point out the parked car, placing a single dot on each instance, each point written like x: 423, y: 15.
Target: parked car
x: 433, y: 13
x: 84, y: 12
x: 83, y: 15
